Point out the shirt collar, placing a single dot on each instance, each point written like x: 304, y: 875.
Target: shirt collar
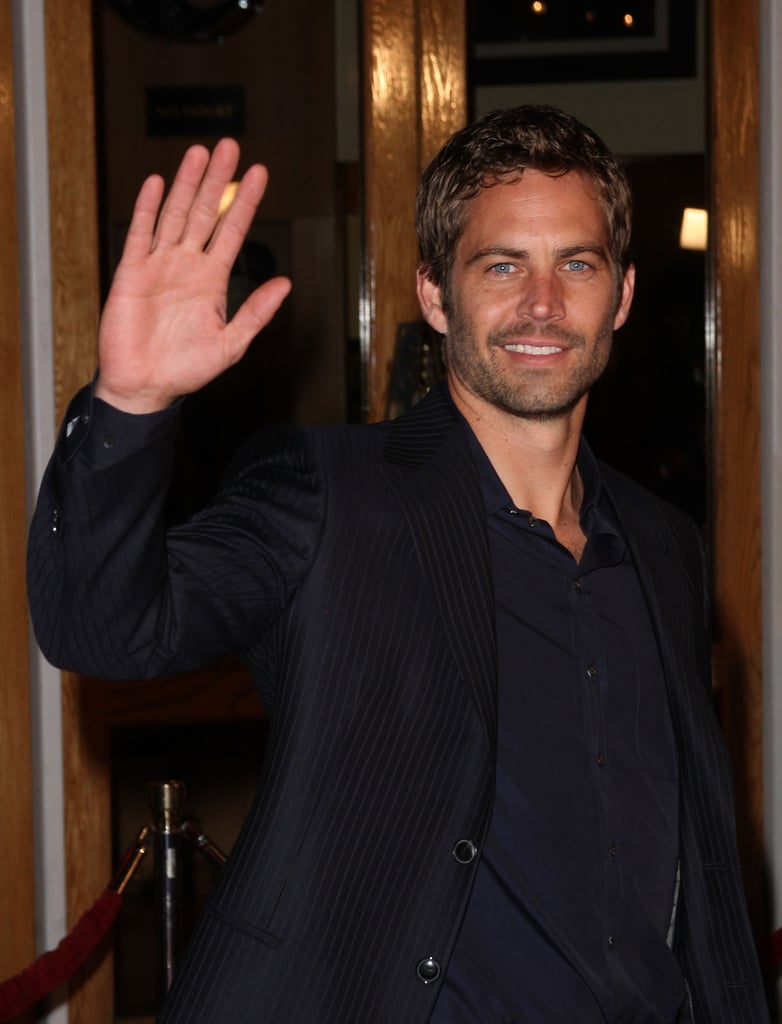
x: 495, y: 494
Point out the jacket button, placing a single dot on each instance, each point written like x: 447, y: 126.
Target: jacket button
x: 465, y: 851
x: 428, y: 970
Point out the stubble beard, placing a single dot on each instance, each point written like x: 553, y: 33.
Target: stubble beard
x: 529, y: 393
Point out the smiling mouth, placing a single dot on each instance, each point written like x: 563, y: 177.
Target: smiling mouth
x: 534, y: 350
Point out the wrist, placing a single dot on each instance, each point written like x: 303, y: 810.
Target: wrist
x: 138, y: 403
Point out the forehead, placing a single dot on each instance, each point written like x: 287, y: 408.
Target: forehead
x: 537, y: 203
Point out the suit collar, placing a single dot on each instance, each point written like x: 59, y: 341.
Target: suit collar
x: 417, y: 435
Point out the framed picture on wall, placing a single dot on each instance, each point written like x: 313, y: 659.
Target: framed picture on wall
x: 581, y: 40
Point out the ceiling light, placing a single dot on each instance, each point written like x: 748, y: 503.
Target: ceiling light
x: 694, y: 232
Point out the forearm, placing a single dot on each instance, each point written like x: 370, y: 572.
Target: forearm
x: 114, y: 594
x: 105, y: 483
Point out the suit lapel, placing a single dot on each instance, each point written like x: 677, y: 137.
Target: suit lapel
x: 437, y: 485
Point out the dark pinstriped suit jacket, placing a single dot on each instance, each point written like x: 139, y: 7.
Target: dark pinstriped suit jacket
x: 350, y: 566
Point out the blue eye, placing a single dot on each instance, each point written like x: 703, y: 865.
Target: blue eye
x: 502, y: 268
x: 577, y: 265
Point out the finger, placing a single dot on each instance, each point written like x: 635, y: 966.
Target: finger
x: 255, y: 313
x: 176, y: 209
x: 204, y: 211
x: 141, y: 232
x: 231, y: 231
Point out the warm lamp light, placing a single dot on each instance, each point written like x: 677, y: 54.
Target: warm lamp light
x: 227, y: 197
x: 694, y: 232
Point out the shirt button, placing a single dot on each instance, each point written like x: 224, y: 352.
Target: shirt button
x: 108, y: 441
x: 576, y: 584
x: 428, y: 970
x: 601, y: 758
x: 610, y: 942
x: 592, y: 671
x: 612, y: 850
x: 465, y: 851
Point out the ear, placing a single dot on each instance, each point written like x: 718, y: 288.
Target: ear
x: 430, y: 301
x: 625, y: 297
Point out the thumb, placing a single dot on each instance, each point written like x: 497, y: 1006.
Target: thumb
x: 257, y: 310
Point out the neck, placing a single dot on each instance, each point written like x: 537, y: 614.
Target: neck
x: 535, y: 459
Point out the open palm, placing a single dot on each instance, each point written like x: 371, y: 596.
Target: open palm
x: 163, y: 332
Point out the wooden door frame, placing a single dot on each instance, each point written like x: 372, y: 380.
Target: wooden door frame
x: 73, y: 200
x: 734, y: 90
x: 414, y: 97
x: 17, y: 880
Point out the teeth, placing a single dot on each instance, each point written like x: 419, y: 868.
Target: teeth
x: 534, y: 350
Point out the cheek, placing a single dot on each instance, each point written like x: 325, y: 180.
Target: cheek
x: 595, y: 312
x: 492, y: 307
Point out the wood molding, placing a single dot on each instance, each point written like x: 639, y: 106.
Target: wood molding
x: 442, y: 57
x: 415, y: 96
x: 73, y: 194
x: 219, y: 692
x: 17, y: 882
x: 736, y: 484
x: 75, y: 310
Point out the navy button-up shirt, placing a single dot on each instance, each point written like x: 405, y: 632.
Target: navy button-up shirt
x: 570, y: 914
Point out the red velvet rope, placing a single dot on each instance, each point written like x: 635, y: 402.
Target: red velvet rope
x: 53, y: 969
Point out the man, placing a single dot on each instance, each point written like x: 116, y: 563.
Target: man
x: 495, y: 790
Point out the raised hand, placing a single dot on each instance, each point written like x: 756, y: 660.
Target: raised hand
x: 163, y: 332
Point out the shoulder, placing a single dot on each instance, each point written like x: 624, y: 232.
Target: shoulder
x: 636, y: 501
x: 307, y: 457
x: 654, y: 526
x: 412, y: 437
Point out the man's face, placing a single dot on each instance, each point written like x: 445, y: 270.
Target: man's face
x: 533, y: 298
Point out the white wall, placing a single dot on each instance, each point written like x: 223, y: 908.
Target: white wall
x: 771, y: 442
x: 634, y: 118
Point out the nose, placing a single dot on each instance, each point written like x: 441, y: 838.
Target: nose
x: 541, y: 296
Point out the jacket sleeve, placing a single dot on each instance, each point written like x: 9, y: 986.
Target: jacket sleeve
x: 115, y: 594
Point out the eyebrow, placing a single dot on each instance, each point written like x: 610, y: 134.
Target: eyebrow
x: 508, y: 252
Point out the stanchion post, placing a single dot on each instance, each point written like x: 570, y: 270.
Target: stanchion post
x: 167, y: 800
